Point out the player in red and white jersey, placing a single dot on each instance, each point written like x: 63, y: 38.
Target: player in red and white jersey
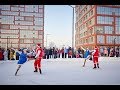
x: 38, y: 57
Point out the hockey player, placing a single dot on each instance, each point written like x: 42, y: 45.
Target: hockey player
x: 86, y: 55
x: 38, y: 57
x: 95, y: 57
x: 22, y: 59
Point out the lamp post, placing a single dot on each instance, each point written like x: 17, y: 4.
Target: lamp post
x: 33, y: 39
x: 72, y: 26
x: 7, y: 41
x: 46, y: 38
x: 114, y: 46
x: 11, y: 44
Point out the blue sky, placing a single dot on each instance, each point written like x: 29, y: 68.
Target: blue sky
x: 58, y: 23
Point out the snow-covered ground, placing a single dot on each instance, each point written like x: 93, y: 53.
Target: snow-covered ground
x: 62, y: 72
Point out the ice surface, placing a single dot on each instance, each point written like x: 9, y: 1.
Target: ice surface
x: 62, y: 72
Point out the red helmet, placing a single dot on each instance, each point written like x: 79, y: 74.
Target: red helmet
x: 38, y: 44
x: 95, y: 47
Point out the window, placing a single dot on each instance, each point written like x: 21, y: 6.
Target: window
x: 104, y: 10
x: 86, y: 16
x: 9, y: 13
x: 91, y: 39
x: 19, y: 18
x: 90, y: 22
x: 28, y: 18
x: 104, y: 20
x: 86, y: 24
x: 21, y: 40
x: 83, y: 26
x: 41, y: 10
x: 84, y: 19
x: 92, y: 12
x: 4, y: 26
x: 100, y: 39
x: 40, y: 6
x: 86, y: 40
x: 5, y: 7
x: 86, y: 8
x: 40, y: 32
x: 0, y: 11
x: 7, y: 19
x: 108, y: 29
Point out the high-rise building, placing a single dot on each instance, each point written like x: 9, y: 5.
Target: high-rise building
x: 21, y: 25
x: 97, y: 25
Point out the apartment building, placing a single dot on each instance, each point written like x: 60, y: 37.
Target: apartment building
x: 97, y: 25
x: 21, y: 25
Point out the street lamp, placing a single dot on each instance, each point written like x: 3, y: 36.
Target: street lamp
x: 33, y: 39
x: 7, y: 41
x: 46, y: 39
x: 114, y: 46
x: 11, y: 44
x: 72, y: 26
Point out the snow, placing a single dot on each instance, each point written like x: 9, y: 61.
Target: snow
x: 62, y: 72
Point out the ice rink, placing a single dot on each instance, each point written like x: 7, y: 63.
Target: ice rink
x: 62, y: 72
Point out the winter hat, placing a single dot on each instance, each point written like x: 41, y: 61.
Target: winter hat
x: 38, y: 44
x: 95, y: 47
x: 24, y: 49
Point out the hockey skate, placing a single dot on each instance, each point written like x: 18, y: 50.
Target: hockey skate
x: 17, y: 70
x: 40, y: 71
x: 98, y: 65
x: 84, y: 63
x: 94, y: 66
x: 15, y: 73
x: 35, y: 70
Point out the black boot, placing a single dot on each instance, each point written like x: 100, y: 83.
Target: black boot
x: 35, y: 70
x: 40, y: 71
x: 94, y: 66
x: 97, y: 65
x: 16, y: 72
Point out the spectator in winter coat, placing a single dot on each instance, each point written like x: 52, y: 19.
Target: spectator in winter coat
x: 62, y: 51
x: 111, y: 52
x: 117, y: 51
x: 105, y: 51
x: 1, y: 55
x: 108, y: 50
x: 70, y: 54
x: 101, y: 51
x: 50, y: 53
x: 5, y: 55
x: 65, y: 51
x: 8, y: 50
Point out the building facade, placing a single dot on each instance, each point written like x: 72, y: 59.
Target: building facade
x: 21, y: 25
x: 97, y: 25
